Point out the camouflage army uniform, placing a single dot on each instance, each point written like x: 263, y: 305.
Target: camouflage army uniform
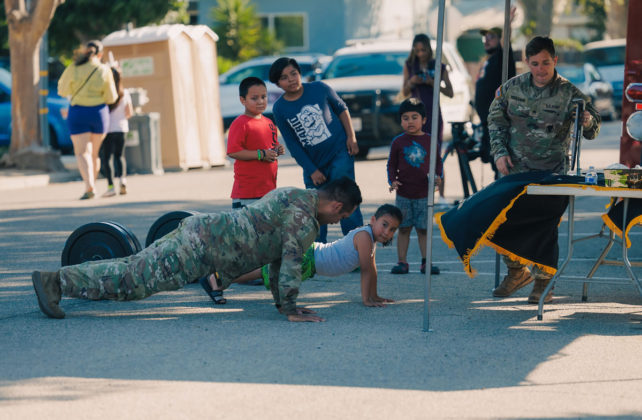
x: 277, y: 229
x: 533, y: 126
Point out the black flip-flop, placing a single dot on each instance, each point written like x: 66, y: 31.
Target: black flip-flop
x: 216, y: 295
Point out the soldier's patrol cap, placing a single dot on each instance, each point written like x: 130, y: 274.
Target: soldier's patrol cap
x: 496, y: 31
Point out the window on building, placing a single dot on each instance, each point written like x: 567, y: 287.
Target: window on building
x: 290, y: 28
x: 192, y: 11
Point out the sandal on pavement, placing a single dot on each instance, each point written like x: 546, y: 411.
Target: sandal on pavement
x: 433, y: 269
x: 400, y: 268
x: 216, y: 295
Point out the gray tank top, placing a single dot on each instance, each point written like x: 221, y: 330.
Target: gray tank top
x: 339, y: 257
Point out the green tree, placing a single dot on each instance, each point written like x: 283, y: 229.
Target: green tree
x: 617, y: 12
x: 241, y: 35
x: 595, y: 10
x: 538, y: 17
x: 78, y: 21
x: 26, y: 23
x: 4, y: 32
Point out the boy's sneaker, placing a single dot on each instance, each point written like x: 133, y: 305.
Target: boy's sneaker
x: 400, y: 268
x: 87, y: 196
x: 433, y: 269
x: 123, y: 189
x: 110, y: 192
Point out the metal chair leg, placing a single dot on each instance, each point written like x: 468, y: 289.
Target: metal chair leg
x: 598, y: 263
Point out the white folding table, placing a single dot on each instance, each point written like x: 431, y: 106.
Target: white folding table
x: 573, y: 191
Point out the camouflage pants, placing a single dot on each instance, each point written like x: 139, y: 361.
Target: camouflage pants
x: 169, y: 263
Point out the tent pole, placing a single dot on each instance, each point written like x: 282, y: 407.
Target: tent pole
x: 433, y: 162
x: 506, y: 42
x: 505, y: 52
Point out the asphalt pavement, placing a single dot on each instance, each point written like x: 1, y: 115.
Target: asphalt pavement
x: 176, y: 355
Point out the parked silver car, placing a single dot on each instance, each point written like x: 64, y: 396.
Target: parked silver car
x: 590, y: 82
x: 368, y: 77
x: 608, y: 59
x: 259, y: 67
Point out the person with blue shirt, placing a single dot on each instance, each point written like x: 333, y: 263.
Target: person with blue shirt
x: 316, y: 127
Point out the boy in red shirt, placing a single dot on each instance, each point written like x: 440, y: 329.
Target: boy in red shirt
x: 408, y: 166
x: 252, y: 142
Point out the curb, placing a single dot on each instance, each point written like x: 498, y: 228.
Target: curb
x: 15, y: 179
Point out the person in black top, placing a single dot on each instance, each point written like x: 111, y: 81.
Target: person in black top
x: 488, y: 80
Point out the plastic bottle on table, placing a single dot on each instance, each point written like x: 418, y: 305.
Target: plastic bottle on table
x: 591, y: 176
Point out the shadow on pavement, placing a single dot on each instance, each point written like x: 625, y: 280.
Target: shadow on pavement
x: 477, y: 342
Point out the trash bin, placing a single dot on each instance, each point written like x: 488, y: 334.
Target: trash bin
x: 143, y: 146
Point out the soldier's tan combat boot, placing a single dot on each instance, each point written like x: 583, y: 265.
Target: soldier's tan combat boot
x: 538, y: 289
x: 47, y: 286
x: 515, y: 280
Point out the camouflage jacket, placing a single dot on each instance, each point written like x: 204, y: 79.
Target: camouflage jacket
x: 275, y: 230
x: 533, y: 125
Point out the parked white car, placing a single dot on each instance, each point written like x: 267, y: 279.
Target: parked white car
x: 368, y: 77
x: 259, y: 67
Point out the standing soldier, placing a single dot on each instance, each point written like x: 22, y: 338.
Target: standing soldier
x: 530, y: 123
x: 276, y: 230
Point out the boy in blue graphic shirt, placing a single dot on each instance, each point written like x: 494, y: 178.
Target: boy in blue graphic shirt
x: 315, y: 125
x: 408, y: 166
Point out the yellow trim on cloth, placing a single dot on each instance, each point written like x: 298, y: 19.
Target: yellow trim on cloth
x: 500, y: 250
x: 444, y: 237
x: 608, y: 222
x: 485, y: 240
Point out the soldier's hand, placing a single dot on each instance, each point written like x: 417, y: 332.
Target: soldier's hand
x: 504, y: 164
x: 305, y: 318
x: 586, y: 119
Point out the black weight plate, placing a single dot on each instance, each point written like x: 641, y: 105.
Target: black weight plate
x: 99, y: 241
x: 135, y: 244
x: 165, y: 224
